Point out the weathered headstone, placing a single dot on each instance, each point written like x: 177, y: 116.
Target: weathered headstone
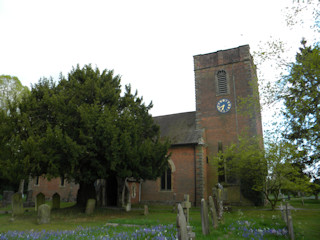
x: 44, y: 214
x: 146, y: 210
x: 220, y: 201
x: 289, y: 222
x: 126, y: 197
x: 56, y: 201
x: 7, y: 198
x: 91, y: 204
x: 186, y: 205
x: 283, y: 213
x: 213, y: 213
x: 181, y: 224
x: 17, y: 204
x: 204, y: 217
x: 174, y: 205
x: 40, y: 199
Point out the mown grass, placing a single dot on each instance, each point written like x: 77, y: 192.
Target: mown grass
x: 306, y: 222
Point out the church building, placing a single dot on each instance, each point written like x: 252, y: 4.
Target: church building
x: 221, y: 79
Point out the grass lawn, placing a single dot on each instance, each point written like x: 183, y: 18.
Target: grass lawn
x: 306, y: 222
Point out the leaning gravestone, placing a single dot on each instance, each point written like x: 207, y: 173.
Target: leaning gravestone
x: 181, y: 224
x: 17, y: 204
x: 44, y: 214
x: 40, y: 199
x: 91, y: 204
x: 213, y: 213
x: 204, y: 217
x: 56, y: 201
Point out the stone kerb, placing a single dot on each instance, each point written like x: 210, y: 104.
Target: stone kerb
x: 17, y: 204
x: 44, y: 212
x: 56, y: 201
x: 40, y: 199
x: 204, y: 217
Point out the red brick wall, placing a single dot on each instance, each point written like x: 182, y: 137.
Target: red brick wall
x: 224, y: 127
x: 183, y: 179
x: 68, y: 192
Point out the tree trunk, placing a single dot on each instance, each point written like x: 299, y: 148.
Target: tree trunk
x: 85, y: 192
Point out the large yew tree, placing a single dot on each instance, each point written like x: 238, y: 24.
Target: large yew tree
x: 84, y: 128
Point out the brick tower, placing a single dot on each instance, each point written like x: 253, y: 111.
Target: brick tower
x: 221, y: 79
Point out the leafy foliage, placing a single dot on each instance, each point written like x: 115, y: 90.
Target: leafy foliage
x: 265, y: 171
x: 302, y: 102
x: 84, y: 129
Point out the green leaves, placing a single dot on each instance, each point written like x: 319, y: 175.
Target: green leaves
x: 302, y: 102
x: 83, y: 128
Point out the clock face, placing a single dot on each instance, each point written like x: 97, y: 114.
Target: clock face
x: 224, y: 105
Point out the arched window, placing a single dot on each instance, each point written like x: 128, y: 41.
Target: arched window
x: 222, y: 83
x: 166, y: 180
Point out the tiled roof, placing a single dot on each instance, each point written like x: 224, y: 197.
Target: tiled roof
x: 180, y: 128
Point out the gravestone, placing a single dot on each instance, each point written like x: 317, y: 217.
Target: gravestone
x: 56, y: 201
x: 283, y: 213
x: 181, y: 224
x: 186, y: 205
x: 220, y: 201
x: 17, y: 204
x: 289, y: 222
x: 204, y: 217
x: 174, y: 204
x: 40, y: 199
x: 7, y: 198
x: 44, y: 214
x: 146, y: 210
x: 213, y: 213
x: 126, y: 198
x: 91, y: 204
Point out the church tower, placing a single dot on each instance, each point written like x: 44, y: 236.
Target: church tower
x: 221, y: 79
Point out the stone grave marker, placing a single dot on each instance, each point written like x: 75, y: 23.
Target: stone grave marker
x: 91, y: 204
x: 181, y: 224
x: 283, y: 213
x: 289, y: 222
x: 44, y: 214
x: 146, y: 210
x: 174, y: 206
x: 40, y: 199
x: 17, y: 204
x: 7, y: 198
x: 220, y: 201
x: 186, y: 205
x: 56, y: 201
x: 213, y: 213
x: 204, y: 217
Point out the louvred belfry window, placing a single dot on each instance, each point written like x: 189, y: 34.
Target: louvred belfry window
x: 222, y: 82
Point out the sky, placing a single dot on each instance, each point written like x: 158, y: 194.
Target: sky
x: 150, y: 43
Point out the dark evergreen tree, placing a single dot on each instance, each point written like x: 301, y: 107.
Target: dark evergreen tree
x: 84, y: 129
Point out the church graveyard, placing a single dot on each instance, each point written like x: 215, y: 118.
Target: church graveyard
x: 161, y: 221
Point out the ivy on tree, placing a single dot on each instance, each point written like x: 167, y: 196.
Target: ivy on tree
x: 84, y: 128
